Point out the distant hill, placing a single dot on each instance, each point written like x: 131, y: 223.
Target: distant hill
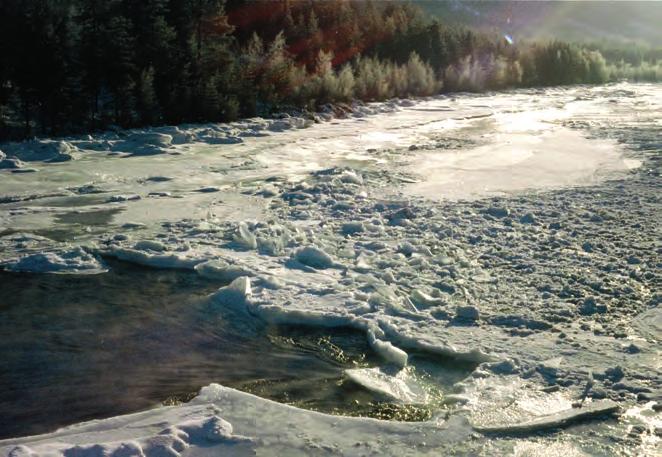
x: 614, y: 22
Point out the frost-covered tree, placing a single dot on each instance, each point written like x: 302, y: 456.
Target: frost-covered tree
x: 325, y: 80
x: 346, y: 83
x: 420, y: 77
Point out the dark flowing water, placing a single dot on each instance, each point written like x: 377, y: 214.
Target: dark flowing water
x: 74, y: 348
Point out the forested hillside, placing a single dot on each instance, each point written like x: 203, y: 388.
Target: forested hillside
x: 78, y: 65
x: 624, y: 22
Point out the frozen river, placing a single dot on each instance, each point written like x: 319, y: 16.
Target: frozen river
x: 447, y: 274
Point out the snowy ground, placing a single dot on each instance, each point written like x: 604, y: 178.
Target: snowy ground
x: 519, y: 231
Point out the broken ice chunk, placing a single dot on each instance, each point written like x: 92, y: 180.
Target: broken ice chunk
x: 244, y: 238
x: 424, y: 300
x: 555, y: 420
x: 150, y: 245
x: 314, y: 257
x: 217, y: 269
x: 350, y: 177
x: 399, y: 386
x: 350, y: 228
x: 237, y: 293
x: 387, y: 351
x: 468, y: 313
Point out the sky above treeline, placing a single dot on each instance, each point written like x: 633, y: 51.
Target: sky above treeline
x: 613, y: 21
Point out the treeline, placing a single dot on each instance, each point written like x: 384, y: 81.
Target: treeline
x: 78, y: 65
x: 634, y: 62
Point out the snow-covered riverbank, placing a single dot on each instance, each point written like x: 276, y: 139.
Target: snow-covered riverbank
x: 518, y: 231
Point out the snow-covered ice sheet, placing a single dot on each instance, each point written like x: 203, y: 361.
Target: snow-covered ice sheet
x: 223, y: 421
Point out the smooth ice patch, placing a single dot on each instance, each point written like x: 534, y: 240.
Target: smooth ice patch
x: 514, y: 162
x: 512, y: 405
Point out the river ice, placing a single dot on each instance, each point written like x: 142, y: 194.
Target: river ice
x: 517, y: 231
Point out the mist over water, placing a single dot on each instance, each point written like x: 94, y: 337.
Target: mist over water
x: 76, y: 348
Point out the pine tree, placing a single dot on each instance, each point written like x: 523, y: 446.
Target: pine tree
x: 121, y: 69
x: 276, y: 81
x: 212, y: 60
x: 6, y: 61
x: 92, y: 20
x: 146, y: 101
